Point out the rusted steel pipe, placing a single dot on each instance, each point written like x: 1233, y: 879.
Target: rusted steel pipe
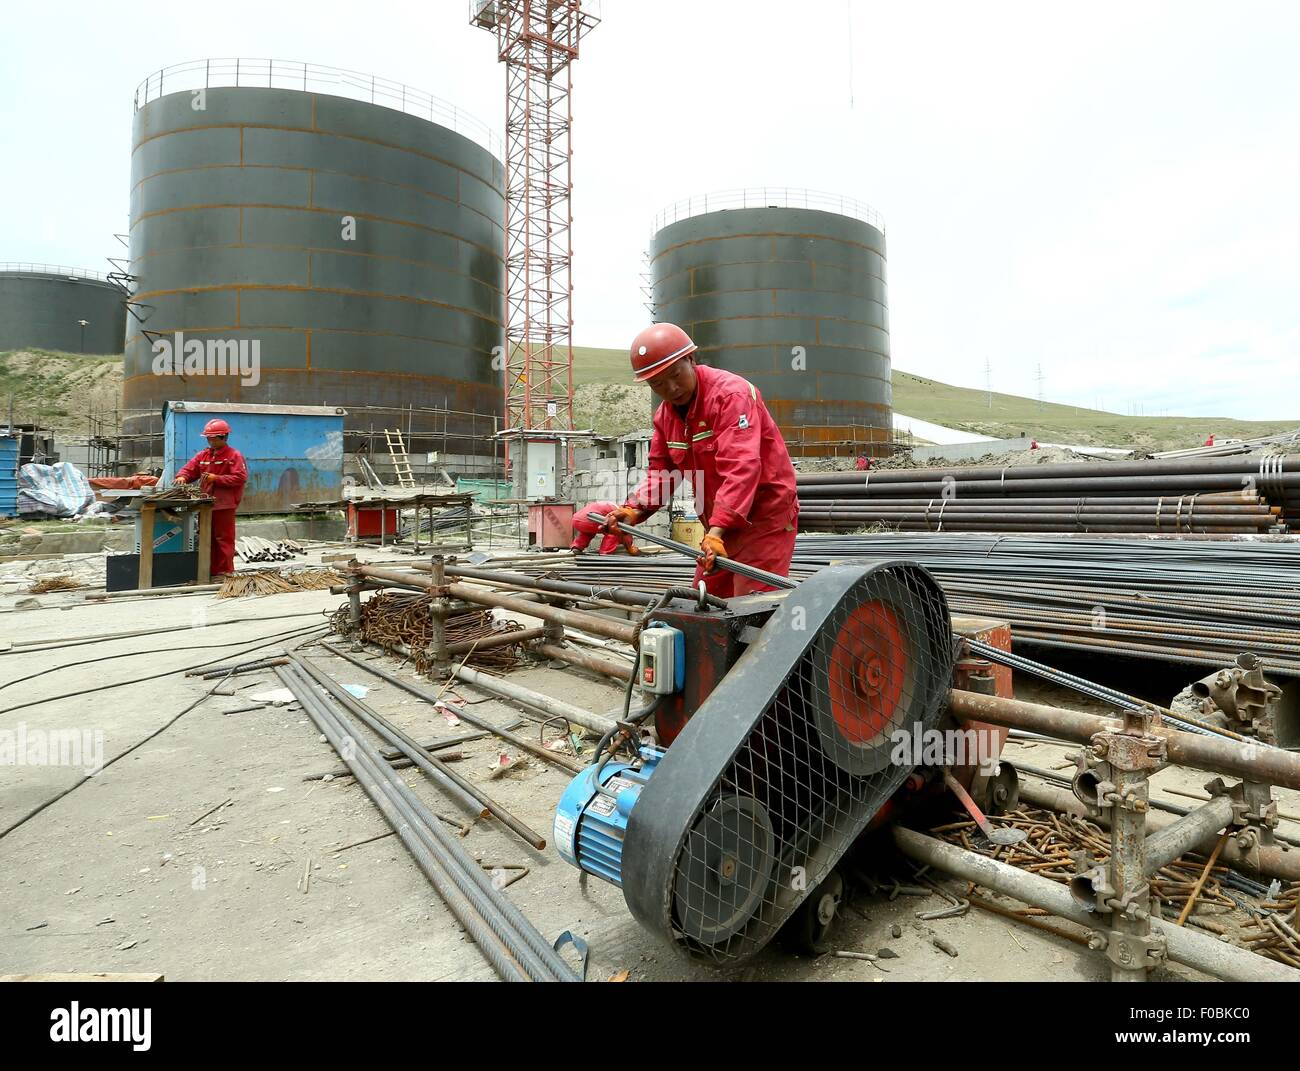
x: 548, y: 705
x: 1197, y: 950
x: 592, y: 662
x: 602, y: 626
x: 502, y: 639
x: 1250, y: 761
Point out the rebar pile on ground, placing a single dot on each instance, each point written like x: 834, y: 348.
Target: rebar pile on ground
x: 257, y: 549
x: 509, y: 942
x: 1214, y: 496
x: 399, y: 619
x: 275, y: 582
x: 1192, y: 601
x: 1052, y: 839
x: 55, y: 583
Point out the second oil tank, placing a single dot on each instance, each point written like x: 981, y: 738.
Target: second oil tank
x: 791, y: 297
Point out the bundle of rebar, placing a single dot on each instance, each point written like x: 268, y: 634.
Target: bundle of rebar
x: 276, y: 582
x: 257, y: 549
x: 1199, y: 602
x: 180, y: 492
x: 510, y: 943
x: 1212, y: 496
x: 401, y: 622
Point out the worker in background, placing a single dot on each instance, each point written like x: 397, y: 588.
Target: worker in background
x: 221, y: 473
x: 712, y: 429
x: 585, y: 530
x: 1209, y: 440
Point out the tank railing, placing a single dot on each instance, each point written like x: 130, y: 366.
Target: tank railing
x: 768, y: 197
x: 50, y: 269
x: 314, y: 78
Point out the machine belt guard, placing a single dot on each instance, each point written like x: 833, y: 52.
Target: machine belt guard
x: 788, y: 759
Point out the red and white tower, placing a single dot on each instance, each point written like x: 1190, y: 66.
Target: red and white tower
x: 538, y: 41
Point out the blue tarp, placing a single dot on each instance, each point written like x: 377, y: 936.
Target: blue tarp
x: 55, y: 490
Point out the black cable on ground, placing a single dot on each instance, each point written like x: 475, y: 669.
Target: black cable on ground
x: 156, y: 650
x: 165, y: 673
x: 37, y: 646
x: 138, y: 744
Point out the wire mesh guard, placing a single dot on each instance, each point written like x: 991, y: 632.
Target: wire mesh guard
x: 854, y: 656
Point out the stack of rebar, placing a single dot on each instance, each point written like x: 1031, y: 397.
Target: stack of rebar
x: 1193, y: 601
x: 510, y: 943
x: 1211, y: 496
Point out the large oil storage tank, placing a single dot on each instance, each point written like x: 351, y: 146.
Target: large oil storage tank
x: 49, y: 307
x: 787, y: 288
x: 357, y: 242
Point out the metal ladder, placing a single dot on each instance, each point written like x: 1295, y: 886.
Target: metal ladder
x: 401, y: 463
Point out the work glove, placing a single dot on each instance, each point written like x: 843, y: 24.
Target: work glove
x: 712, y: 546
x: 625, y: 514
x: 632, y: 548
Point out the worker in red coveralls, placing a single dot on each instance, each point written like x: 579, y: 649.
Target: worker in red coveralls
x: 585, y: 530
x: 713, y: 430
x: 221, y: 473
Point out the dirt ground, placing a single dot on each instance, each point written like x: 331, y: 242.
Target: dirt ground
x: 187, y: 856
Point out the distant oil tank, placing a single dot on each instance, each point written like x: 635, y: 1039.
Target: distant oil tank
x: 775, y: 286
x: 42, y: 306
x: 358, y: 244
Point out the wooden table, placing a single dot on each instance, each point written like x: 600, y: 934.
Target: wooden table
x: 148, y: 510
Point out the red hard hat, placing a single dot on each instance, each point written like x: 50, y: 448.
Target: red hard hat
x: 216, y: 427
x: 657, y: 347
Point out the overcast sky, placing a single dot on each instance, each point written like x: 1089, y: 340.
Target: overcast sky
x: 1106, y: 190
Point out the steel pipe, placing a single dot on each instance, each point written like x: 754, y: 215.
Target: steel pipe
x: 443, y: 864
x: 584, y: 660
x: 554, y: 708
x: 1248, y: 761
x: 602, y: 626
x: 449, y: 780
x: 1193, y: 949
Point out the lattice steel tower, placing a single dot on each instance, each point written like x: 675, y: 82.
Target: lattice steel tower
x: 538, y: 41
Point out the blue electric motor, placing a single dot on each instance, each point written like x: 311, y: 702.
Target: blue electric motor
x: 592, y: 815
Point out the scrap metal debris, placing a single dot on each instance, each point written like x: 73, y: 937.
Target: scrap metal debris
x: 1212, y: 897
x: 63, y: 582
x: 276, y: 582
x: 399, y: 619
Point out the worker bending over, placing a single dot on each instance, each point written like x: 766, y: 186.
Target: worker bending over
x: 585, y: 530
x: 221, y: 473
x: 713, y: 430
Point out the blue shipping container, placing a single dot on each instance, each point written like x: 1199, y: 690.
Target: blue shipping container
x: 9, y: 476
x: 294, y: 452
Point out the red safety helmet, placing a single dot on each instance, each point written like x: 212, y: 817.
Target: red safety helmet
x: 215, y: 427
x: 658, y: 347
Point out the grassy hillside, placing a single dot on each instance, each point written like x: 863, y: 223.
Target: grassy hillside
x: 1009, y: 416
x: 56, y: 389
